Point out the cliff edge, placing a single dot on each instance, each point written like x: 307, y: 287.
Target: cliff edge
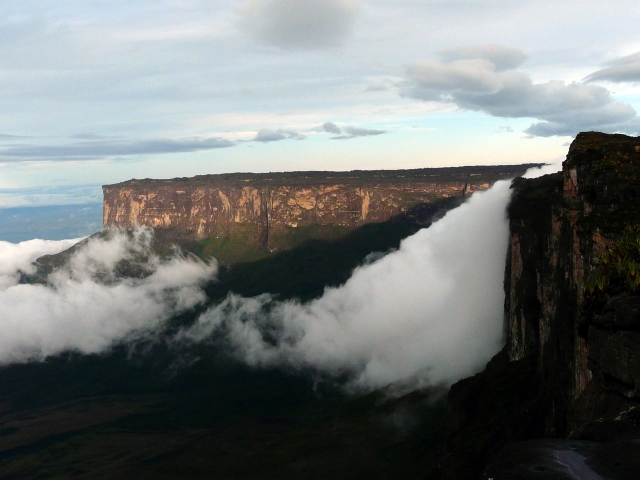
x: 571, y: 363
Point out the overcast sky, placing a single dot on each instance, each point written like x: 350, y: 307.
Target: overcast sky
x: 95, y: 92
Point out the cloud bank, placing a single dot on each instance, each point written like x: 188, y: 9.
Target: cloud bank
x: 483, y: 78
x: 428, y: 313
x: 100, y: 148
x: 300, y: 24
x: 16, y: 258
x: 87, y: 307
x: 625, y: 69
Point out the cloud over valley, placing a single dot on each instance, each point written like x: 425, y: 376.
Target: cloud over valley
x: 87, y: 307
x: 428, y: 313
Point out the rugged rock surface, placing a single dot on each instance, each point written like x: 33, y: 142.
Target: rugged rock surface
x: 266, y: 210
x: 572, y: 360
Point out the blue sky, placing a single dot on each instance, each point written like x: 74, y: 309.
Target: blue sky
x: 99, y: 92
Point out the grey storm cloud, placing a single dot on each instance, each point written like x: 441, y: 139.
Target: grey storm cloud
x: 300, y: 24
x: 349, y: 132
x: 265, y: 135
x: 331, y: 127
x: 486, y: 81
x: 100, y: 148
x: 625, y: 69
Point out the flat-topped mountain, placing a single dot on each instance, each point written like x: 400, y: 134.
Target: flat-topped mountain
x: 276, y: 211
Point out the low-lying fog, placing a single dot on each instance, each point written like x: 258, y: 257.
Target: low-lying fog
x: 428, y: 313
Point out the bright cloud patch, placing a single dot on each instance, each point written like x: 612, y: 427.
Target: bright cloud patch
x: 87, y: 307
x: 18, y: 257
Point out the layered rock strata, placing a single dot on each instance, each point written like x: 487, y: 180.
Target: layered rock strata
x: 258, y: 209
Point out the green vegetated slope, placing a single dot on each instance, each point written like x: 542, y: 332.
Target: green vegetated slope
x: 305, y: 271
x: 234, y: 249
x: 153, y: 410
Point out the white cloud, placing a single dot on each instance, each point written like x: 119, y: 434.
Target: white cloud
x: 625, y: 69
x: 428, y: 313
x: 18, y: 257
x: 479, y: 84
x: 86, y: 307
x: 300, y: 24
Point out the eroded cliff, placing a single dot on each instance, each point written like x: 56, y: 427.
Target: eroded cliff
x: 269, y: 211
x: 569, y: 359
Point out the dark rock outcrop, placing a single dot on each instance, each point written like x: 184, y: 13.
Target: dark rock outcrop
x: 568, y: 361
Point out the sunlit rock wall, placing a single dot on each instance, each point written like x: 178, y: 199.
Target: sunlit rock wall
x: 256, y: 207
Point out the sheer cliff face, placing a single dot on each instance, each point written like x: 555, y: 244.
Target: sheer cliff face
x: 260, y: 208
x: 559, y: 225
x: 569, y: 363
